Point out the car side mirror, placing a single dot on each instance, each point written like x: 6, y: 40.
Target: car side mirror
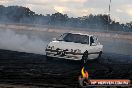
x: 93, y: 44
x: 54, y: 39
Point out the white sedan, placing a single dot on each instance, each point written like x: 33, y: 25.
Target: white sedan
x: 75, y: 46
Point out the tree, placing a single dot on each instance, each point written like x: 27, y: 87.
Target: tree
x: 58, y: 18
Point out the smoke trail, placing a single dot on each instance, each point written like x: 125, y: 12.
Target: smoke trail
x: 11, y: 40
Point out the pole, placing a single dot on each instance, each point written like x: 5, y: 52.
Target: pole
x: 109, y: 15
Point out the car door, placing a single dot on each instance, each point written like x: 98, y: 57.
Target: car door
x: 93, y: 51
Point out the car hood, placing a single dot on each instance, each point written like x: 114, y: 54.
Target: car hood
x: 67, y: 45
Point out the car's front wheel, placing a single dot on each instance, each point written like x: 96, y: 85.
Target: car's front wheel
x: 85, y: 57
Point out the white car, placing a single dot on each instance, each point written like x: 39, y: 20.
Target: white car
x: 75, y: 46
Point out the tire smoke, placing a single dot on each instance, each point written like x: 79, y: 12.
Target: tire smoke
x: 11, y: 40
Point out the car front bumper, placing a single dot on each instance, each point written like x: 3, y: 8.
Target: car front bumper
x: 66, y: 56
x: 70, y: 55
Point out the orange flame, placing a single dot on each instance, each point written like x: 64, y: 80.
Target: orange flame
x: 84, y: 73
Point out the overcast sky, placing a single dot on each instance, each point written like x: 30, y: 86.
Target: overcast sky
x: 121, y: 10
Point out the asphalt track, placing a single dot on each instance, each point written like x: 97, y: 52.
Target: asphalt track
x: 35, y: 69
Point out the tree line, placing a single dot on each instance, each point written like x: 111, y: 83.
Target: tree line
x: 18, y: 14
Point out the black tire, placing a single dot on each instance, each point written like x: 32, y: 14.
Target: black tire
x: 100, y: 53
x: 99, y: 57
x: 84, y: 57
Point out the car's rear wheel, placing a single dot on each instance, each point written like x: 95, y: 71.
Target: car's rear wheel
x: 99, y: 57
x: 84, y: 57
x: 100, y: 53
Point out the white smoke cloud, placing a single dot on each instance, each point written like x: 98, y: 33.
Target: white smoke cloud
x: 11, y: 40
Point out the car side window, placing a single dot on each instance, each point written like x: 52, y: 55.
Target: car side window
x: 91, y: 40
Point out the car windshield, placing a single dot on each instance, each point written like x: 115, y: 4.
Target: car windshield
x: 77, y: 38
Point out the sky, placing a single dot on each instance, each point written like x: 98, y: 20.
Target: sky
x: 121, y: 10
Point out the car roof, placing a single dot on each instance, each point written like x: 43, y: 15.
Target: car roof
x: 81, y: 33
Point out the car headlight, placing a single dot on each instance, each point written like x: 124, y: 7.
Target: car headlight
x: 77, y: 51
x: 50, y: 47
